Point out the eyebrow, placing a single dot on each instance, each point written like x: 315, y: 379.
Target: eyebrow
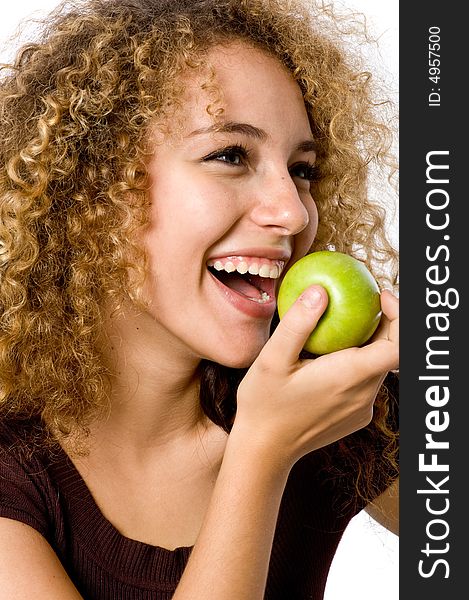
x: 307, y: 146
x: 232, y: 127
x: 250, y: 131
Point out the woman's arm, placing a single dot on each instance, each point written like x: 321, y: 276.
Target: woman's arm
x: 231, y: 556
x: 286, y: 408
x: 29, y: 568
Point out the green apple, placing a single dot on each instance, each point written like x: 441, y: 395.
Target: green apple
x: 354, y: 309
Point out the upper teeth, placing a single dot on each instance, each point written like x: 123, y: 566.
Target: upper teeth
x: 263, y: 267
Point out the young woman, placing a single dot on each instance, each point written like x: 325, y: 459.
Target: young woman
x: 162, y: 436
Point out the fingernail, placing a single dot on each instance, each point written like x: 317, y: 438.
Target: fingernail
x: 311, y: 298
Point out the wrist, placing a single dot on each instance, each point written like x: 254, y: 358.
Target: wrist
x: 259, y: 449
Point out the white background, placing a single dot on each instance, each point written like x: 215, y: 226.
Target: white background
x: 366, y: 564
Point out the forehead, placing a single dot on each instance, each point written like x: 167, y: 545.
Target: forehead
x: 243, y: 83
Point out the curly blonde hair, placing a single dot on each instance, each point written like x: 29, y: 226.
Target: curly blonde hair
x: 76, y: 107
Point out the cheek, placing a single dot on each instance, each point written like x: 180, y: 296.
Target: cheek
x: 305, y: 239
x: 313, y: 217
x: 195, y: 210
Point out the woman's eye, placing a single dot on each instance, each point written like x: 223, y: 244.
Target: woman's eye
x: 304, y: 170
x: 235, y: 156
x: 230, y: 157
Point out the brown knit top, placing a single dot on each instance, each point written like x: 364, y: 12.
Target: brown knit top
x: 50, y: 495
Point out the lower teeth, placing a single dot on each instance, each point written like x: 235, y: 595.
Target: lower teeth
x: 263, y: 299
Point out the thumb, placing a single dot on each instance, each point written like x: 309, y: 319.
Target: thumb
x: 283, y: 348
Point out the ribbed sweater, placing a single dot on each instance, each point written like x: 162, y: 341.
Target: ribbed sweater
x: 50, y: 495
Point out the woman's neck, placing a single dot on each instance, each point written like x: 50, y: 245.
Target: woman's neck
x: 154, y: 383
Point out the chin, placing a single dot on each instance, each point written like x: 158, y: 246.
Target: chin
x: 237, y: 363
x: 235, y: 348
x: 242, y: 359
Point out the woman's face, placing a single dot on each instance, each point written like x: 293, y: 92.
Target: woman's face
x: 231, y: 207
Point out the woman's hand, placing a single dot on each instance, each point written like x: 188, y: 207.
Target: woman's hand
x: 288, y: 406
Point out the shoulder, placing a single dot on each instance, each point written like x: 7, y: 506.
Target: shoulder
x: 20, y: 447
x: 26, y: 491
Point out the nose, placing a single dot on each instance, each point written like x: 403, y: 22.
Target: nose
x: 277, y: 204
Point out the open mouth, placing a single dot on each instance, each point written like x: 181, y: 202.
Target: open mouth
x: 252, y: 277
